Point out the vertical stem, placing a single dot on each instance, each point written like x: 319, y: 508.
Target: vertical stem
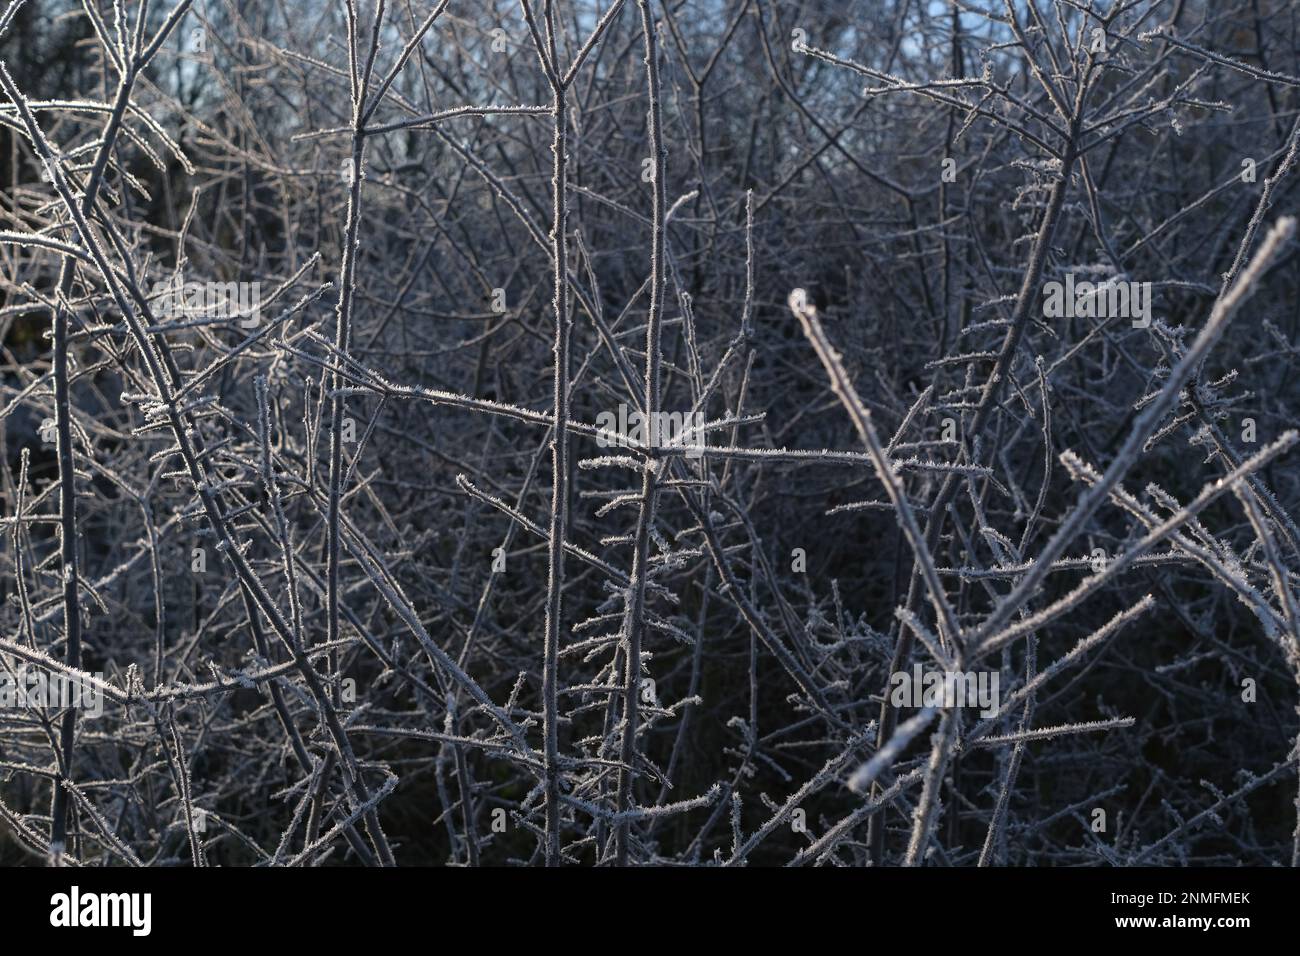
x: 342, y: 337
x: 634, y: 619
x: 68, y: 554
x: 67, y: 475
x: 923, y: 821
x: 559, y: 480
x: 337, y: 405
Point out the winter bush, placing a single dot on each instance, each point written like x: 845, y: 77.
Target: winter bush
x: 967, y: 538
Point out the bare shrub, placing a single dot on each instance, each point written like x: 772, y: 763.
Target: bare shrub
x: 983, y: 319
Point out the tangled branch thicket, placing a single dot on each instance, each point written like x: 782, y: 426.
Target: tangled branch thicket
x: 313, y: 316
